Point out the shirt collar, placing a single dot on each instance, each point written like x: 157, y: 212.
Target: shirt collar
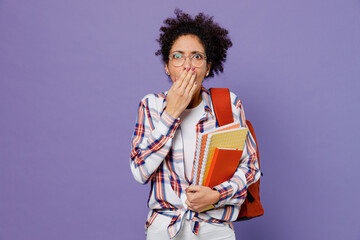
x: 206, y: 99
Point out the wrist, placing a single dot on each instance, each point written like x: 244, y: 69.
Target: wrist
x: 172, y: 113
x: 216, y: 196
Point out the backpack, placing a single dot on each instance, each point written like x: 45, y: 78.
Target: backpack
x: 222, y: 106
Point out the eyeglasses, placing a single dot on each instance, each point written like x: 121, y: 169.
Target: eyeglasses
x: 178, y: 59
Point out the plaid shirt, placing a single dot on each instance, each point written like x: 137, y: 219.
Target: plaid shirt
x: 157, y: 156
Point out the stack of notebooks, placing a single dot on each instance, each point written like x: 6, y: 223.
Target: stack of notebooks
x: 218, y: 154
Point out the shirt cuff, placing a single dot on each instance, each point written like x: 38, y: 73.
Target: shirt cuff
x: 235, y: 188
x: 225, y: 193
x: 168, y: 125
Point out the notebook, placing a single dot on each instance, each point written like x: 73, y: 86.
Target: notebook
x: 200, y: 148
x: 232, y: 138
x: 223, y: 165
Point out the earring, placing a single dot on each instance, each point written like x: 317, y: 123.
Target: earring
x: 207, y: 74
x: 168, y: 73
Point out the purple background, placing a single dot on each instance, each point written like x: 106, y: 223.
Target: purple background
x: 73, y: 72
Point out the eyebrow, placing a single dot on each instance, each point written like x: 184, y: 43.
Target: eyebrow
x: 182, y: 52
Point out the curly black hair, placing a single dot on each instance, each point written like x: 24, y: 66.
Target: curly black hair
x: 214, y: 38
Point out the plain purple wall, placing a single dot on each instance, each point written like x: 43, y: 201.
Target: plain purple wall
x: 73, y: 72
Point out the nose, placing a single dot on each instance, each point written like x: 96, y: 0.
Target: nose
x: 187, y: 63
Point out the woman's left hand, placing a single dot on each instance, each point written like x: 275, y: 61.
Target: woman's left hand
x: 201, y: 197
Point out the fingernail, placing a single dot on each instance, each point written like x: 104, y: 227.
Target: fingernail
x: 174, y: 79
x: 193, y: 68
x: 188, y: 69
x: 195, y: 83
x: 193, y: 73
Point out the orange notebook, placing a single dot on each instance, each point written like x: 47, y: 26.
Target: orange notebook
x: 223, y: 166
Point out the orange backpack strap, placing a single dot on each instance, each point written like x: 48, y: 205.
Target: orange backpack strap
x: 222, y: 105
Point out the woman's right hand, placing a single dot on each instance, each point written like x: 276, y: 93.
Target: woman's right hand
x: 181, y: 93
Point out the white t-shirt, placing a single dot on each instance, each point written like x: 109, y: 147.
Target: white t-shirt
x: 189, y: 118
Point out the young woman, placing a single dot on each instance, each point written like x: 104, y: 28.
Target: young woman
x: 164, y: 140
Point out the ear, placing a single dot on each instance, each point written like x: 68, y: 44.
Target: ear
x: 208, y: 67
